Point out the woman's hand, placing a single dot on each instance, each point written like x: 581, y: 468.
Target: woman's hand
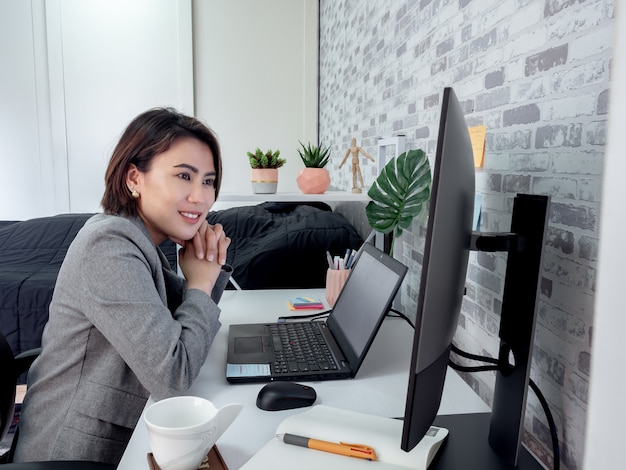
x: 199, y: 272
x: 202, y: 257
x: 211, y: 242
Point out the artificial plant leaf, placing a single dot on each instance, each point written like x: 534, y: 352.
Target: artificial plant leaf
x: 385, y: 198
x: 399, y: 193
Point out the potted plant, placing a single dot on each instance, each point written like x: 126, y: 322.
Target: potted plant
x: 313, y: 178
x: 399, y: 194
x: 265, y: 167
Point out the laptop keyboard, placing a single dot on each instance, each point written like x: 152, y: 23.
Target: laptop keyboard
x: 300, y: 347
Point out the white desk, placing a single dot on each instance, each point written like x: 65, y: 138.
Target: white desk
x: 379, y: 388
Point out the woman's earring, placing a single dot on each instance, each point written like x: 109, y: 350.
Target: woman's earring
x: 134, y: 193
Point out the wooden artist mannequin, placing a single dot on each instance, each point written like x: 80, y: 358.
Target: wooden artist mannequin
x: 356, y: 170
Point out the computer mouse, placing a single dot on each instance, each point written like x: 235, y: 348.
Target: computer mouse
x: 284, y: 396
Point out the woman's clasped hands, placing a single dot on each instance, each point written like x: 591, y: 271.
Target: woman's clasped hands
x: 202, y: 257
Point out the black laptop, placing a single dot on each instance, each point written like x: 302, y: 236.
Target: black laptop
x: 320, y: 350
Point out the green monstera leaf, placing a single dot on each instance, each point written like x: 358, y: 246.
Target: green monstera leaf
x: 399, y: 194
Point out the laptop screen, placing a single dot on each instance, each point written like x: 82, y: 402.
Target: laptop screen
x: 364, y: 300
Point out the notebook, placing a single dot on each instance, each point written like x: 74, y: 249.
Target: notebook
x: 263, y: 352
x: 338, y: 425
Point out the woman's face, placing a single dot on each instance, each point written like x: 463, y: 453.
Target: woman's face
x: 177, y: 192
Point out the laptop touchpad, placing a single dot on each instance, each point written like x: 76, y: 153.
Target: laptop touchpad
x: 251, y: 344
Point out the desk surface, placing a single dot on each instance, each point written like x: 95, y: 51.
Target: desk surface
x: 379, y: 387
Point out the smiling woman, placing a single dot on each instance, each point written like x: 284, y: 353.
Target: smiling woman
x: 122, y: 325
x: 178, y: 187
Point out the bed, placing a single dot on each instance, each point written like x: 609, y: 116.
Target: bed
x: 274, y: 245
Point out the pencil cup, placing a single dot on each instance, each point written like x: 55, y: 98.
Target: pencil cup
x: 335, y: 279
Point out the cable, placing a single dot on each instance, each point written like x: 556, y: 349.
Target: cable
x: 399, y: 314
x: 471, y: 369
x: 556, y: 453
x: 494, y: 367
x: 460, y: 352
x: 553, y: 431
x: 298, y: 317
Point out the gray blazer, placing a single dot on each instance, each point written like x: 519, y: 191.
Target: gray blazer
x: 122, y: 327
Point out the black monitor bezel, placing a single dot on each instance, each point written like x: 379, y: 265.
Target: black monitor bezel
x: 428, y: 368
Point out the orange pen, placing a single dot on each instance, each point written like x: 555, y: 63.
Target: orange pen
x: 351, y: 450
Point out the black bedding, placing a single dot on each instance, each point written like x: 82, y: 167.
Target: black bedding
x: 31, y: 253
x: 274, y: 245
x: 283, y: 245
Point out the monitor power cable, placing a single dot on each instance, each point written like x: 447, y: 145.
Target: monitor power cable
x: 393, y: 313
x: 542, y: 400
x: 495, y: 365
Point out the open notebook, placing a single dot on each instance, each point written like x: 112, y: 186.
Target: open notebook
x: 337, y: 425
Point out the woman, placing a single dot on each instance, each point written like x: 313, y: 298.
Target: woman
x: 122, y: 325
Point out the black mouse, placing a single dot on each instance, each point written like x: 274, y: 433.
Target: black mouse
x: 284, y: 396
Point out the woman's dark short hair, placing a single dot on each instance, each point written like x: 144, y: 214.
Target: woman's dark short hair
x: 149, y: 134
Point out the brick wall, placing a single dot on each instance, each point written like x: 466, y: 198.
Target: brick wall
x: 536, y: 73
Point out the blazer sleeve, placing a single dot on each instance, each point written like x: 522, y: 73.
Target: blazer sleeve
x: 123, y: 293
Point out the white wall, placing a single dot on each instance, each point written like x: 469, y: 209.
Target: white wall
x: 120, y: 58
x: 607, y: 406
x: 79, y: 71
x: 74, y: 73
x: 256, y: 81
x: 25, y: 148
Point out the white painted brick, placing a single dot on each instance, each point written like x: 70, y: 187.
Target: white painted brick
x: 578, y: 163
x: 525, y: 18
x: 594, y: 42
x: 590, y: 190
x: 423, y: 74
x: 531, y: 162
x: 514, y: 69
x: 449, y: 16
x: 577, y: 20
x: 575, y: 77
x: 482, y: 180
x: 496, y: 162
x: 493, y: 202
x: 524, y: 44
x: 568, y: 107
x: 470, y: 87
x: 496, y: 15
x: 566, y: 93
x: 573, y: 300
x: 488, y: 61
x: 609, y: 9
x: 556, y: 187
x: 531, y: 90
x: 477, y: 9
x: 492, y: 119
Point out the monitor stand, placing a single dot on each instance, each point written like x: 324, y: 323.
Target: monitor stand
x: 467, y: 446
x: 504, y: 426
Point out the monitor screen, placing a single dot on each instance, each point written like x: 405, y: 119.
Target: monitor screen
x: 444, y: 269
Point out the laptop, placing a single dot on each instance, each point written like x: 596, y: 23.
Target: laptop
x: 264, y: 352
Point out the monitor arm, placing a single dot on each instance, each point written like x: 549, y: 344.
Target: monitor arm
x: 517, y: 319
x: 482, y: 241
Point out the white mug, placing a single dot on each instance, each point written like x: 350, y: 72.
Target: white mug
x: 183, y: 429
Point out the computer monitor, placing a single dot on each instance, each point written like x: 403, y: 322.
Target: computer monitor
x: 491, y: 441
x: 444, y: 268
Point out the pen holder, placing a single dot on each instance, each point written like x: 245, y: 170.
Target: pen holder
x: 335, y: 279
